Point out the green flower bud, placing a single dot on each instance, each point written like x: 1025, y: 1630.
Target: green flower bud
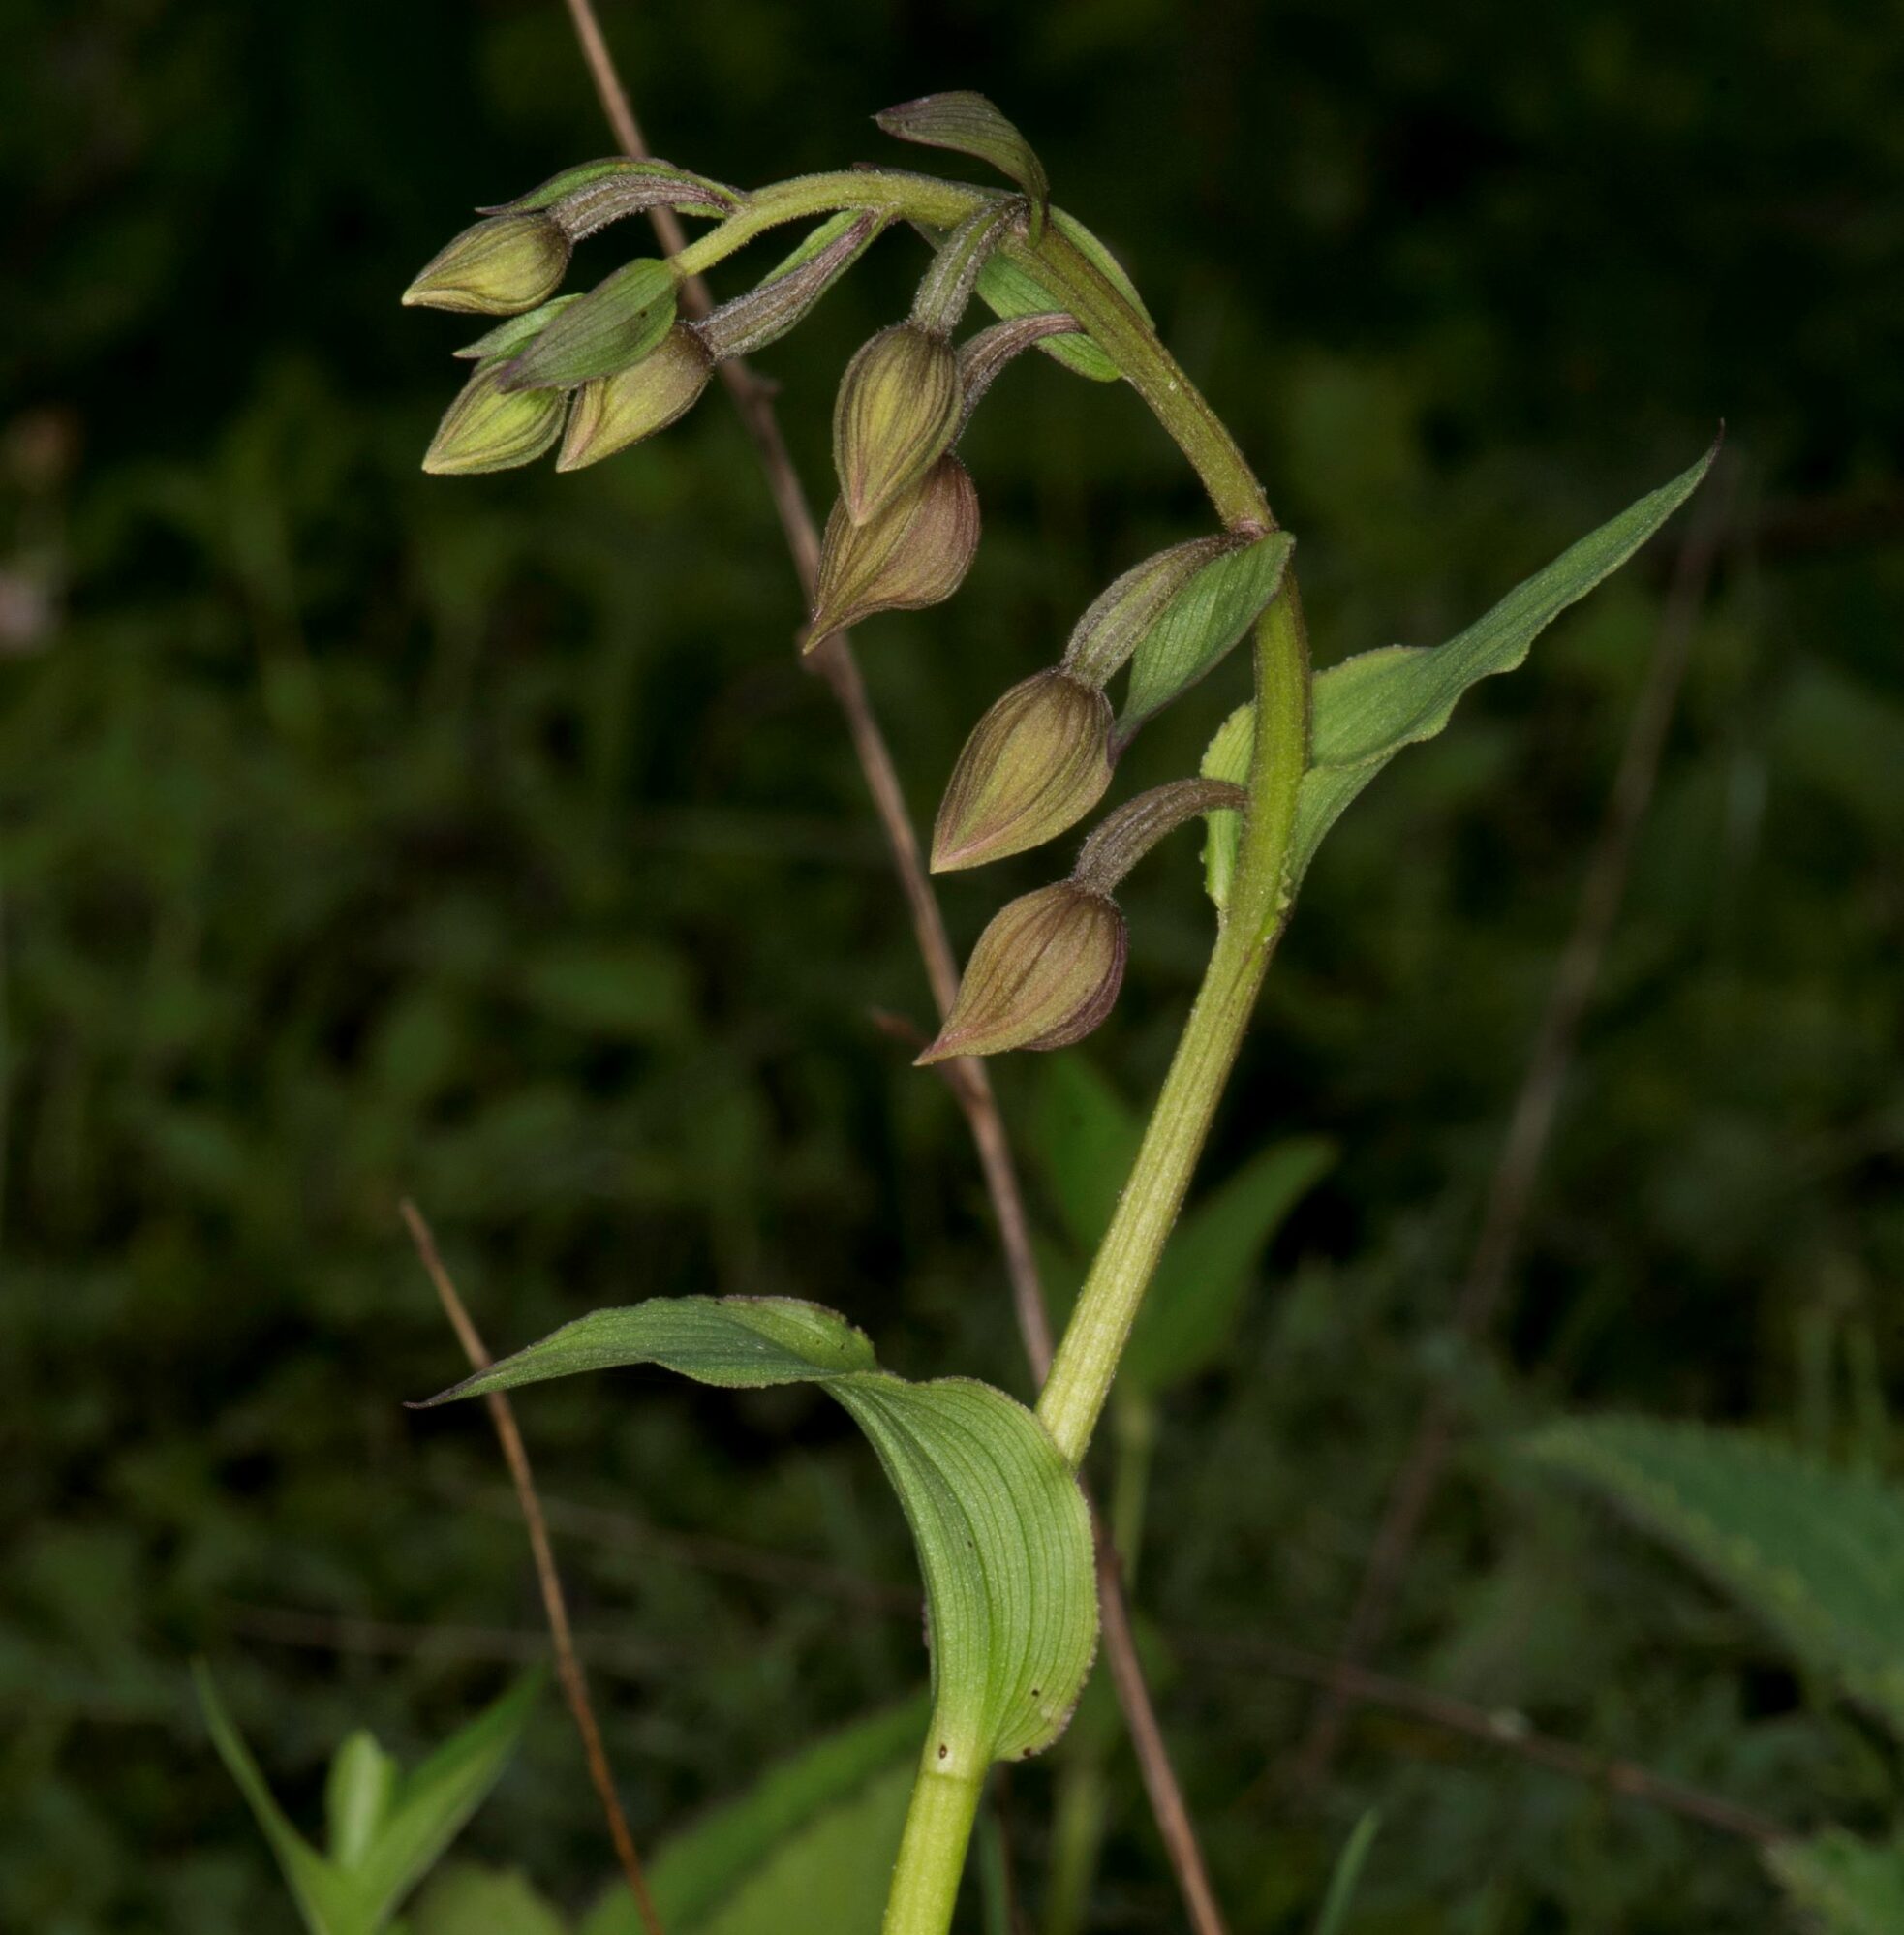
x: 1044, y: 973
x: 508, y: 264
x: 611, y: 413
x: 1035, y: 764
x: 488, y: 428
x: 916, y: 553
x: 896, y: 415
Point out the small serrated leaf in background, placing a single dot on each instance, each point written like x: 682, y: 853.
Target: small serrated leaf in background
x: 1815, y: 1553
x: 1843, y: 1885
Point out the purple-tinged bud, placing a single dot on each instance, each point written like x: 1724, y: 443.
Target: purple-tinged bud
x: 916, y: 553
x: 1044, y: 973
x: 611, y: 413
x: 1034, y: 765
x: 488, y: 428
x: 508, y: 264
x: 897, y: 414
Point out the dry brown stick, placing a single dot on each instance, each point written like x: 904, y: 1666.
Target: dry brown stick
x: 568, y: 1662
x: 1530, y: 1126
x: 835, y: 662
x: 1506, y: 1730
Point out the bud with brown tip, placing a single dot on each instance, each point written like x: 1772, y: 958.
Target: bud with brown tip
x: 1035, y: 764
x: 1043, y: 974
x: 611, y: 413
x: 508, y: 264
x: 916, y: 553
x: 897, y: 414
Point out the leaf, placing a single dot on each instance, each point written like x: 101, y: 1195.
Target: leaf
x: 610, y: 330
x: 330, y: 1901
x: 1336, y: 1903
x: 1184, y: 1322
x: 467, y: 1898
x: 1000, y: 1526
x: 967, y: 124
x: 1085, y: 1140
x: 431, y: 1804
x: 514, y: 331
x: 800, y: 1802
x: 600, y: 191
x: 1847, y: 1885
x: 358, y: 1795
x: 1367, y: 708
x: 1815, y: 1553
x: 1011, y: 289
x: 1200, y: 624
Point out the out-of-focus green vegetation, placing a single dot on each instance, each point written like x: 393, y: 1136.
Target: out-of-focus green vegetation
x: 362, y: 834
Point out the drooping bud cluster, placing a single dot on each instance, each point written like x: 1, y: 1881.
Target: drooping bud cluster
x: 598, y: 371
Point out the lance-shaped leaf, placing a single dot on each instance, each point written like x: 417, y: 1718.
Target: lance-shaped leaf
x: 611, y: 328
x: 967, y: 124
x: 808, y: 1850
x: 1841, y: 1884
x: 1369, y: 708
x: 1000, y: 1526
x: 1010, y: 287
x: 514, y: 332
x: 1815, y: 1553
x: 1200, y: 623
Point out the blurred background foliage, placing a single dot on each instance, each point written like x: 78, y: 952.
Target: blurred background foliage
x: 362, y: 835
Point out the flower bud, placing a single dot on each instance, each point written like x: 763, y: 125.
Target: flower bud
x: 1036, y: 763
x: 611, y: 413
x: 916, y: 553
x: 1043, y: 975
x: 495, y: 269
x: 487, y: 428
x: 896, y: 415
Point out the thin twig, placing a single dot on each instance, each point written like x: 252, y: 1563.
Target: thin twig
x: 834, y: 662
x: 1530, y: 1126
x: 1498, y: 1728
x: 568, y: 1662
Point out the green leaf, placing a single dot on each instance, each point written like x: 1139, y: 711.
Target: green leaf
x: 514, y: 331
x: 967, y: 124
x: 467, y: 1898
x: 1846, y: 1886
x: 1011, y: 288
x: 1086, y: 1138
x: 610, y: 330
x: 431, y: 1804
x: 1187, y: 1315
x: 597, y: 180
x: 1369, y: 708
x: 357, y: 1796
x: 1000, y: 1526
x: 1336, y: 1903
x: 1200, y: 624
x: 696, y: 1874
x: 330, y: 1901
x: 1815, y: 1553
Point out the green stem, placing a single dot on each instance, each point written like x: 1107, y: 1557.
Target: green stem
x: 939, y: 1823
x: 932, y: 1851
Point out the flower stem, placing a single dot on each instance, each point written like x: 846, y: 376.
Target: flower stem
x: 932, y: 1851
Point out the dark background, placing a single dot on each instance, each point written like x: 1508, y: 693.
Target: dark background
x: 364, y: 834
